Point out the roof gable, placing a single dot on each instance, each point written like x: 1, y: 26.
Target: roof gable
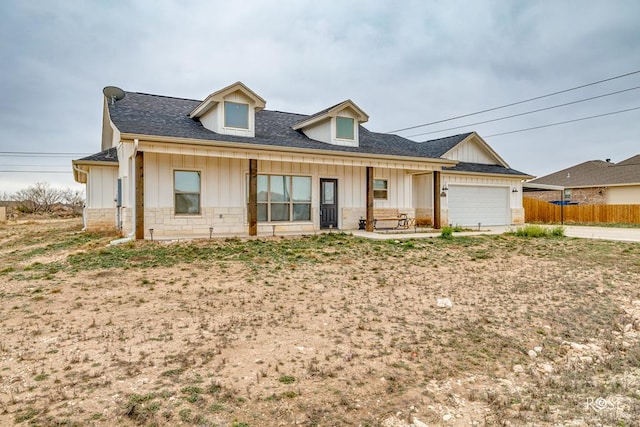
x: 467, y: 147
x: 219, y: 96
x: 332, y: 112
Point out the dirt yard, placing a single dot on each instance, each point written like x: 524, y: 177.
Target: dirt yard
x: 326, y: 330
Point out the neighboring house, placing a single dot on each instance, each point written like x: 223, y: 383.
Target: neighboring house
x: 595, y: 182
x: 226, y: 165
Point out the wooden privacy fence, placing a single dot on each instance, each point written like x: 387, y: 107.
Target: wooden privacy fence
x: 540, y: 211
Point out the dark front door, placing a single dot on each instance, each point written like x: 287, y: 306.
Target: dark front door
x: 328, y: 203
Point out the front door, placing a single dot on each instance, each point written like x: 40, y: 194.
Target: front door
x: 328, y: 203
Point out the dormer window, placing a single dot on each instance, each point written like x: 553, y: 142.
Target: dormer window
x: 236, y: 115
x: 344, y: 128
x: 337, y: 125
x: 230, y: 111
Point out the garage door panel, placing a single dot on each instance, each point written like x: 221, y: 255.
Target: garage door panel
x: 470, y: 205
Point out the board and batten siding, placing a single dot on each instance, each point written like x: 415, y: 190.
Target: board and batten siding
x: 102, y: 187
x: 423, y: 191
x: 100, y: 206
x: 351, y: 191
x: 223, y: 180
x: 471, y: 152
x: 224, y: 193
x: 399, y: 189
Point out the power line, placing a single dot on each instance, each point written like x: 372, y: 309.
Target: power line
x: 526, y: 112
x: 562, y: 123
x: 34, y: 171
x: 516, y: 103
x: 39, y: 154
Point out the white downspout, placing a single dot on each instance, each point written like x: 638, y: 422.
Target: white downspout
x: 84, y: 207
x: 130, y: 236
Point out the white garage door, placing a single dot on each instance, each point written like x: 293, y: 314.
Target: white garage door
x: 469, y: 205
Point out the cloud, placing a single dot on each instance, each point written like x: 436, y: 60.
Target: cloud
x: 404, y: 63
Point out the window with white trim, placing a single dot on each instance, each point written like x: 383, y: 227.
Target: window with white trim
x: 186, y: 192
x: 380, y: 189
x: 344, y: 127
x: 283, y: 198
x: 236, y: 115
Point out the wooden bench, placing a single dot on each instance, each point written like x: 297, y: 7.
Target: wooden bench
x: 401, y: 222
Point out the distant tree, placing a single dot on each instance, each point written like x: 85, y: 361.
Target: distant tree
x: 38, y: 198
x: 75, y: 198
x: 5, y: 197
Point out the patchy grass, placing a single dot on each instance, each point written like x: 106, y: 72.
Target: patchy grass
x: 317, y: 330
x: 538, y: 231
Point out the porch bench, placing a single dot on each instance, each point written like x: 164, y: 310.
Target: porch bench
x: 401, y: 222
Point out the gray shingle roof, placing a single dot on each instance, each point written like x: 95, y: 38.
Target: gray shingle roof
x: 438, y: 147
x: 108, y: 155
x: 595, y: 173
x: 164, y: 116
x: 146, y: 114
x: 319, y: 113
x: 635, y: 160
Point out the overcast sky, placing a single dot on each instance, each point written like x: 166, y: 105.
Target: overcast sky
x: 404, y: 63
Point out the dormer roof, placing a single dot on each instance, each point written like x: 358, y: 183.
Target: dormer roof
x: 360, y: 116
x: 218, y: 97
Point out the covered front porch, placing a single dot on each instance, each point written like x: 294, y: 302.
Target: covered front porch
x: 233, y: 202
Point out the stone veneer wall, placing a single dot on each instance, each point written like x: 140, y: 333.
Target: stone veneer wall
x: 517, y: 216
x: 165, y: 224
x: 100, y: 218
x: 424, y: 214
x: 233, y: 221
x: 351, y: 217
x: 444, y: 217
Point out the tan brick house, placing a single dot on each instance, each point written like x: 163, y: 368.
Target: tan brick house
x: 594, y: 182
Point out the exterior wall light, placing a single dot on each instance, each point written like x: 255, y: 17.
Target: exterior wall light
x: 515, y: 190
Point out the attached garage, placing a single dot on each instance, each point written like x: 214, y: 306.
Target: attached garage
x: 471, y: 204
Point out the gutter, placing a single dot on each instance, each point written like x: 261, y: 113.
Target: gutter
x: 281, y: 149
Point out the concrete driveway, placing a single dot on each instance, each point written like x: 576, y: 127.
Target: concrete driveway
x: 606, y: 233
